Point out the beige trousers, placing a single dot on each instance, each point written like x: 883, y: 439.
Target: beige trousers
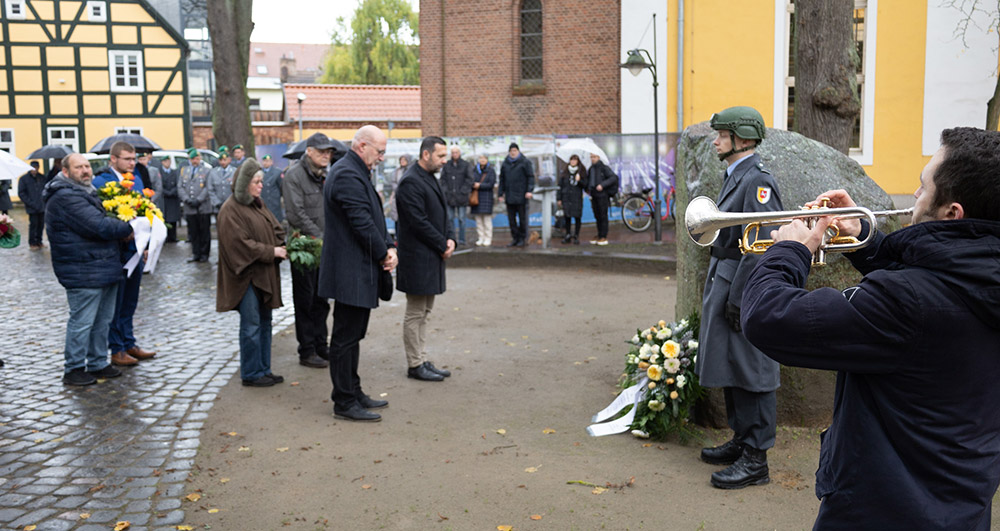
x: 418, y: 310
x: 484, y: 228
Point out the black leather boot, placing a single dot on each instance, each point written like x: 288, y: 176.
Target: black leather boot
x: 724, y: 454
x: 749, y: 469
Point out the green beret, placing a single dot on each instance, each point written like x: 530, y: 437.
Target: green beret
x: 266, y: 157
x: 237, y: 146
x: 192, y: 153
x: 222, y: 149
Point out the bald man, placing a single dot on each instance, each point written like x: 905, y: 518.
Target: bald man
x: 356, y: 251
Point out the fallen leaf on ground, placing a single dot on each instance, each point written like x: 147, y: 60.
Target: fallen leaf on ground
x: 57, y: 439
x: 502, y: 431
x: 598, y: 490
x: 293, y: 384
x: 48, y: 414
x: 232, y: 434
x: 121, y: 526
x: 443, y: 518
x: 184, y: 528
x: 366, y: 486
x: 224, y: 480
x: 504, y: 528
x: 536, y: 517
x: 383, y: 395
x: 548, y: 431
x: 39, y: 440
x: 194, y: 496
x: 282, y: 449
x: 647, y: 445
x: 577, y: 363
x: 29, y: 527
x: 532, y: 469
x: 213, y: 511
x: 84, y: 516
x: 244, y: 448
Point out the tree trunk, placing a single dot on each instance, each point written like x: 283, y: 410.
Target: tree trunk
x: 993, y: 109
x: 826, y: 88
x: 229, y: 26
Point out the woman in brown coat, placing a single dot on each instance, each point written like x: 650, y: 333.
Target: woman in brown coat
x: 251, y: 245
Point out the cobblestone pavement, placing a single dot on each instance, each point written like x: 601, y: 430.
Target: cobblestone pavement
x: 121, y: 449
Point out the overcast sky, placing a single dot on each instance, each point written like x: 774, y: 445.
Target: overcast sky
x: 301, y: 21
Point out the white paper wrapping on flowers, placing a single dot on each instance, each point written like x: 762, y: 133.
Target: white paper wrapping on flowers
x: 632, y: 395
x: 148, y: 236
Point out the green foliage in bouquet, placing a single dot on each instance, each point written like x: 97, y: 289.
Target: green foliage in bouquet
x: 9, y: 235
x: 304, y: 251
x: 664, y: 355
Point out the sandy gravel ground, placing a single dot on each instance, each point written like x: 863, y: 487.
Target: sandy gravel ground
x: 531, y: 351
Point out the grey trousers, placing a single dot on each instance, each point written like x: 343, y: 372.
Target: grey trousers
x: 418, y: 309
x: 752, y: 416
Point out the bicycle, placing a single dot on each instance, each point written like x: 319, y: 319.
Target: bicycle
x: 638, y: 208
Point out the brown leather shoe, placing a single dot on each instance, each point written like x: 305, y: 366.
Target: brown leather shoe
x: 140, y: 354
x: 122, y: 358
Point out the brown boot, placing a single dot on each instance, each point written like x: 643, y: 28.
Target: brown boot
x: 122, y: 358
x: 140, y: 354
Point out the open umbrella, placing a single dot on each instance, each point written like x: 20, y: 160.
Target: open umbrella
x: 11, y: 167
x: 139, y: 142
x: 582, y: 148
x: 297, y: 149
x: 51, y: 151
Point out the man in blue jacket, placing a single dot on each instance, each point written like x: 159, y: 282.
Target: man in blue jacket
x: 915, y: 437
x: 87, y: 261
x: 356, y: 250
x: 29, y: 190
x: 121, y: 338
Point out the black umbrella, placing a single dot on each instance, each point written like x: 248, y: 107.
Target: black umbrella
x: 297, y: 149
x: 139, y: 142
x: 51, y: 151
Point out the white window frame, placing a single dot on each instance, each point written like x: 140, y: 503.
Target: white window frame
x: 128, y: 54
x: 73, y: 144
x: 127, y: 130
x: 261, y: 70
x: 864, y: 155
x: 102, y: 6
x: 9, y: 146
x: 22, y: 9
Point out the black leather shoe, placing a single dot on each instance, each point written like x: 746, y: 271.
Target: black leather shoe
x: 567, y: 238
x: 421, y: 372
x: 443, y: 372
x: 724, y: 454
x: 356, y: 413
x: 368, y: 402
x: 314, y: 361
x: 106, y: 372
x: 263, y: 381
x: 749, y: 469
x: 513, y: 243
x: 277, y: 378
x: 79, y: 377
x: 194, y: 259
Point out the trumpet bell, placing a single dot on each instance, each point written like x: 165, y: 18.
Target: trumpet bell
x: 699, y: 217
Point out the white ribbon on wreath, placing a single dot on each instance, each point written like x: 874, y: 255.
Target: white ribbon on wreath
x: 630, y: 396
x: 148, y: 236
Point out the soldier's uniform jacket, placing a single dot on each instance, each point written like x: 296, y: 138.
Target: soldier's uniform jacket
x: 193, y: 187
x: 726, y: 358
x: 220, y: 185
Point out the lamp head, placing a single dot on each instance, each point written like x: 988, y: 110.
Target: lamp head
x: 635, y: 63
x: 301, y: 97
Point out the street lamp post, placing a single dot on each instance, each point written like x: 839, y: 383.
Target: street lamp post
x: 635, y: 63
x: 301, y: 97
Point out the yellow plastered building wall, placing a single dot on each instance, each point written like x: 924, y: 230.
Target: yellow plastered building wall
x: 75, y: 72
x: 733, y: 56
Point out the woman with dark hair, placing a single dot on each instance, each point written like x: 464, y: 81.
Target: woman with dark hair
x: 251, y: 245
x: 484, y: 178
x: 570, y: 197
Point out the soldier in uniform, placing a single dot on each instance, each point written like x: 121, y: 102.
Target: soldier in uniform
x: 749, y: 379
x: 220, y: 181
x: 271, y: 195
x: 193, y: 193
x: 238, y: 156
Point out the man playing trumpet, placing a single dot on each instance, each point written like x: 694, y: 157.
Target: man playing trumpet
x: 915, y: 437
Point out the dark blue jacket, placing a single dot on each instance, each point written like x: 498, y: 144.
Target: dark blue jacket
x: 517, y: 177
x: 915, y: 437
x: 84, y: 239
x: 29, y: 191
x: 354, y: 236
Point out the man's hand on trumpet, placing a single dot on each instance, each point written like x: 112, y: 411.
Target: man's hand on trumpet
x: 798, y: 231
x: 839, y: 199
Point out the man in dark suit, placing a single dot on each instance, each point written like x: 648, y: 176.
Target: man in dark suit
x: 749, y: 378
x: 356, y: 249
x: 425, y: 241
x: 517, y: 180
x: 29, y: 190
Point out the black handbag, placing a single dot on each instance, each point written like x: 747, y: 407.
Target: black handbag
x: 385, y: 285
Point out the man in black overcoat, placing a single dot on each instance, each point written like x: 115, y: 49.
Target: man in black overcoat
x: 913, y: 443
x: 456, y: 183
x: 356, y: 249
x: 517, y: 180
x: 425, y: 242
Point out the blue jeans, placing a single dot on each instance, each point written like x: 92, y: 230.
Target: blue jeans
x: 120, y: 336
x: 90, y: 313
x: 457, y: 212
x: 255, y: 337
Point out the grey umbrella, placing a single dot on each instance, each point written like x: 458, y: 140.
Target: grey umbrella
x: 51, y: 151
x: 297, y: 149
x: 139, y: 142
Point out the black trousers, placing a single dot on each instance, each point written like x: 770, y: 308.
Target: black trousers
x: 518, y: 232
x: 311, y: 312
x: 600, y: 203
x: 36, y: 225
x: 752, y: 416
x: 350, y: 323
x: 172, y: 231
x: 200, y: 234
x: 568, y: 223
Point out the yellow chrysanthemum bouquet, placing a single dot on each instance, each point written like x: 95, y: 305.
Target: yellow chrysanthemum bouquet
x: 124, y: 203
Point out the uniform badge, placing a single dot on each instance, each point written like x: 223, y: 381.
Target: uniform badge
x: 763, y: 194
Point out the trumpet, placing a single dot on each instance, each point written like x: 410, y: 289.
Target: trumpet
x: 704, y: 220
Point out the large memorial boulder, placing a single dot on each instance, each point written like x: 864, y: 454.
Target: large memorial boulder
x: 803, y: 169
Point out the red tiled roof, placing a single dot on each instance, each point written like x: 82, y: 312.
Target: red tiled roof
x: 353, y: 103
x: 308, y: 57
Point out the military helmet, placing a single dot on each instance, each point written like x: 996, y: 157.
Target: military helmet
x: 745, y: 122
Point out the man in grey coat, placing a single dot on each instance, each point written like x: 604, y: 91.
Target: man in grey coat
x: 193, y: 193
x: 220, y: 182
x: 303, y: 191
x: 727, y: 359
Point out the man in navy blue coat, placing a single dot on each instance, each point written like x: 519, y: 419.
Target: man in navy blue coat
x: 87, y: 261
x: 121, y: 339
x: 915, y: 437
x: 426, y: 240
x: 356, y: 249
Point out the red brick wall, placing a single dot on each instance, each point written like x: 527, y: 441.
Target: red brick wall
x: 479, y: 93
